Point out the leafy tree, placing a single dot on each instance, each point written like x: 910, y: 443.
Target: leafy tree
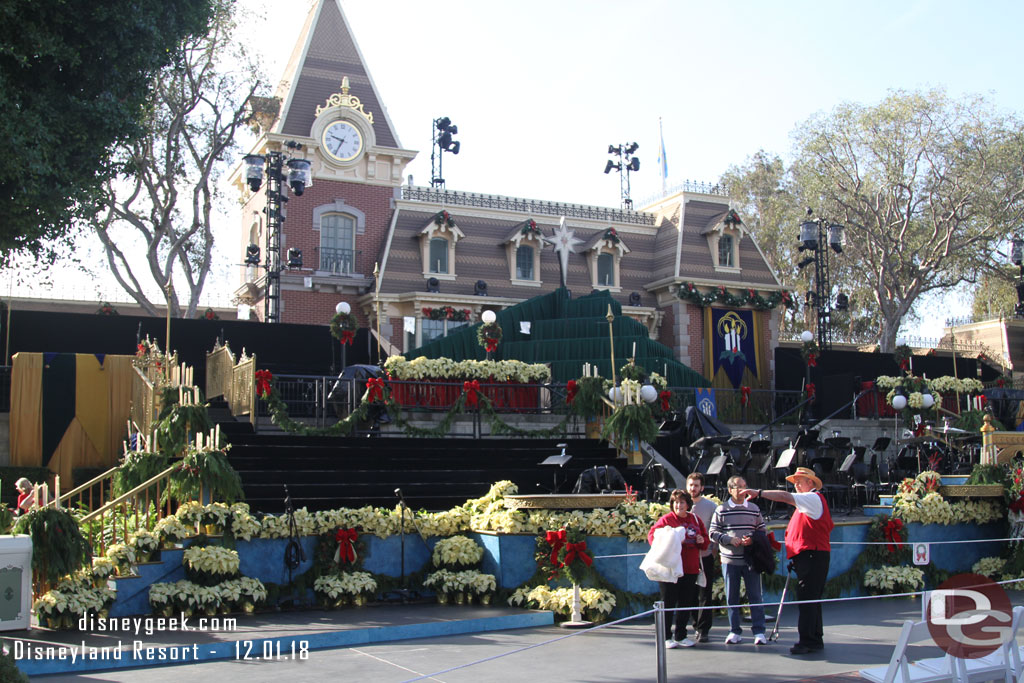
x: 166, y: 200
x: 995, y: 294
x: 926, y: 186
x: 74, y: 78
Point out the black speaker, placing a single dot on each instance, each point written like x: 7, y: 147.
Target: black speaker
x: 634, y: 299
x: 433, y: 285
x: 480, y: 288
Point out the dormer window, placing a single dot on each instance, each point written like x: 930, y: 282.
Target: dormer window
x: 724, y: 233
x: 437, y: 246
x: 522, y: 248
x: 604, y: 253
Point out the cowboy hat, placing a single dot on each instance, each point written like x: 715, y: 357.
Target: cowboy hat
x: 805, y: 472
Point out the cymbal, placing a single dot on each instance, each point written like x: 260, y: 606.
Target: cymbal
x: 950, y: 430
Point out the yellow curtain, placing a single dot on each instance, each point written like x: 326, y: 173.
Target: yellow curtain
x: 102, y: 403
x: 27, y: 410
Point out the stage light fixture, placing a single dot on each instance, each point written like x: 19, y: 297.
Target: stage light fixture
x: 299, y: 176
x: 610, y: 165
x: 809, y: 235
x: 842, y: 302
x: 805, y: 262
x: 835, y: 237
x: 1017, y: 251
x: 294, y: 258
x: 634, y: 164
x: 252, y: 255
x: 632, y: 148
x: 254, y: 170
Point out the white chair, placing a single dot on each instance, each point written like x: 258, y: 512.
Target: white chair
x: 901, y: 670
x: 1002, y: 665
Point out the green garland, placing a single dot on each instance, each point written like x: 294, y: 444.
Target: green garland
x: 748, y: 297
x: 488, y: 331
x: 589, y: 397
x: 634, y: 421
x: 207, y: 472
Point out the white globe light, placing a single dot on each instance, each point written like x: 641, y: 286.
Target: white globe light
x: 488, y: 317
x: 807, y: 336
x: 927, y: 400
x: 899, y: 402
x: 615, y: 394
x: 648, y: 393
x: 343, y: 307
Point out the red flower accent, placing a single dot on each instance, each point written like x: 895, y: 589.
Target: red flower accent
x: 427, y: 311
x: 346, y: 539
x: 347, y: 337
x: 490, y: 344
x: 809, y: 390
x: 665, y: 396
x: 263, y: 379
x: 578, y: 551
x: 556, y: 539
x: 141, y: 350
x: 892, y: 531
x: 471, y: 389
x: 375, y: 389
x: 812, y: 360
x: 570, y: 391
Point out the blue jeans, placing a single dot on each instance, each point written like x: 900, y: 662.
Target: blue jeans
x: 733, y: 573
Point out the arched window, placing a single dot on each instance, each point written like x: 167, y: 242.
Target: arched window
x: 337, y: 243
x: 524, y: 263
x: 606, y: 270
x: 438, y: 255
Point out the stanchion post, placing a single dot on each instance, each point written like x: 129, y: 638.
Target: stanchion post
x: 659, y: 640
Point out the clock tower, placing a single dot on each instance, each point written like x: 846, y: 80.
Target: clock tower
x: 328, y: 111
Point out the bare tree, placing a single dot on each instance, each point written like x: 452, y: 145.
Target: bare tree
x: 167, y: 200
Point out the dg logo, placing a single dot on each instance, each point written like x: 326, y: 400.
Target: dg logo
x: 969, y: 616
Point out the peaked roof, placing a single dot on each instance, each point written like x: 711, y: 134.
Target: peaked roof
x: 326, y: 52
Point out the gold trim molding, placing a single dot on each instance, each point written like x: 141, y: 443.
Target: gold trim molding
x: 343, y: 99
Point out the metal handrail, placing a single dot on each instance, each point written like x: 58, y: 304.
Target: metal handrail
x: 89, y: 484
x: 131, y: 494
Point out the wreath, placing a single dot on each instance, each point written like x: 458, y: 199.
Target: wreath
x: 489, y: 335
x: 902, y: 355
x: 343, y: 327
x: 530, y: 228
x: 444, y: 218
x: 209, y: 314
x: 447, y: 313
x: 106, y: 309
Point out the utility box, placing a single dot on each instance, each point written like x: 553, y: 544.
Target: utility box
x: 15, y: 582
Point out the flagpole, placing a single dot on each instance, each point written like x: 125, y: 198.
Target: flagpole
x: 662, y: 159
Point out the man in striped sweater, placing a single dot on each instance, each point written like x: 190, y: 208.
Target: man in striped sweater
x: 732, y: 527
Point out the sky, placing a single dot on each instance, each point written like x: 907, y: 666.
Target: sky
x: 540, y: 89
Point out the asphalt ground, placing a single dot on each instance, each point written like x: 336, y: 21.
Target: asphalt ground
x: 858, y: 634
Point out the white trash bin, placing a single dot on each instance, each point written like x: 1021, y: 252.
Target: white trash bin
x: 15, y: 582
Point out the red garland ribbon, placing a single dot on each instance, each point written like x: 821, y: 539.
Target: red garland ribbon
x: 810, y: 389
x: 263, y: 378
x: 570, y: 391
x: 892, y: 530
x: 471, y: 389
x: 347, y: 337
x: 375, y: 389
x: 556, y: 539
x: 346, y: 539
x: 578, y: 551
x: 664, y: 397
x: 744, y: 395
x: 490, y: 344
x: 812, y: 360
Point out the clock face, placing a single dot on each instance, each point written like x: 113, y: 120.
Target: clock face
x: 343, y: 141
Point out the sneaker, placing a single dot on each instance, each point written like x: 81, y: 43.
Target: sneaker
x: 671, y: 644
x: 733, y: 638
x: 686, y: 642
x: 759, y: 639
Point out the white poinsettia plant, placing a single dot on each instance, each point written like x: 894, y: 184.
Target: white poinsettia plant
x: 212, y: 559
x: 102, y: 567
x: 122, y: 555
x: 190, y: 513
x: 243, y: 593
x: 143, y: 541
x: 597, y: 603
x: 457, y: 551
x: 349, y: 584
x: 894, y: 579
x: 445, y: 369
x: 467, y: 581
x: 171, y: 530
x: 74, y: 596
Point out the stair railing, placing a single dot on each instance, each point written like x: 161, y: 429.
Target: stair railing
x: 87, y: 490
x: 135, y: 503
x: 219, y: 366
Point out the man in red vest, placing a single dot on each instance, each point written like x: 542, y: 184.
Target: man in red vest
x: 808, y: 547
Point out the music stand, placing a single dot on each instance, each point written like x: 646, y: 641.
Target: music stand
x: 848, y: 462
x: 558, y: 461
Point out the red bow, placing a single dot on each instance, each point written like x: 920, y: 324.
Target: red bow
x: 665, y: 396
x: 812, y: 360
x: 141, y: 350
x: 471, y: 389
x: 892, y: 530
x: 347, y: 337
x: 346, y: 539
x: 375, y: 386
x: 1017, y: 505
x: 570, y: 391
x: 809, y: 389
x: 744, y: 395
x: 578, y: 551
x: 556, y: 539
x: 904, y: 364
x: 490, y: 344
x: 263, y: 378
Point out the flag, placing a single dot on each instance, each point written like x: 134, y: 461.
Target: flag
x: 662, y: 158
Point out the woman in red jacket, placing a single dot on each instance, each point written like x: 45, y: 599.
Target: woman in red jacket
x: 682, y: 593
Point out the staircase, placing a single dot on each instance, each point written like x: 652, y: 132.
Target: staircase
x: 324, y: 473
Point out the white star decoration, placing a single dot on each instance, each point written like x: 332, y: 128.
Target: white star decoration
x: 564, y: 241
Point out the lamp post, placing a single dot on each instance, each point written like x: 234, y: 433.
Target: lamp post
x: 819, y: 236
x: 298, y: 177
x: 807, y: 337
x: 488, y: 318
x: 344, y: 308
